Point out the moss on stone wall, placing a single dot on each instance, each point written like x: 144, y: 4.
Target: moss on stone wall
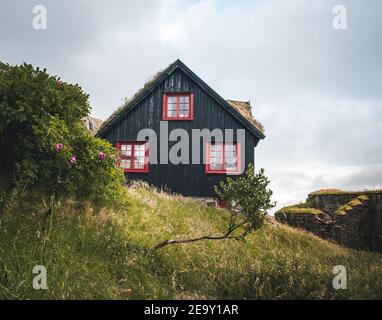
x: 337, y: 191
x: 352, y: 219
x: 358, y: 201
x: 301, y: 208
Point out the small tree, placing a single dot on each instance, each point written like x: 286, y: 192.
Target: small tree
x: 248, y: 199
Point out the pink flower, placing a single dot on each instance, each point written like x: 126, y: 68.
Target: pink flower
x: 73, y: 160
x: 101, y: 156
x: 59, y: 146
x: 58, y: 83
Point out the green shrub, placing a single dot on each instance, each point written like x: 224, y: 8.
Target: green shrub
x: 248, y: 199
x: 44, y: 144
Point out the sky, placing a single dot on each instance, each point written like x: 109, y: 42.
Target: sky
x: 316, y: 89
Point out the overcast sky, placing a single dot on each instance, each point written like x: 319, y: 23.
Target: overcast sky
x: 317, y: 90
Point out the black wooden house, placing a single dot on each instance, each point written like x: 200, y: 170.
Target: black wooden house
x: 176, y: 98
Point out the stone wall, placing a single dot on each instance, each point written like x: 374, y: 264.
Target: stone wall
x: 359, y: 228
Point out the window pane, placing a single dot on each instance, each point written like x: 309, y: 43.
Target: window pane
x: 125, y: 163
x: 219, y: 147
x: 183, y: 106
x: 184, y: 99
x: 216, y: 166
x: 171, y: 99
x: 216, y: 157
x: 230, y: 157
x: 139, y: 156
x: 139, y: 164
x: 171, y: 107
x: 230, y: 147
x: 183, y: 112
x: 126, y: 150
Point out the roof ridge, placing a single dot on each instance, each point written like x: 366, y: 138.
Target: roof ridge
x: 247, y: 102
x: 157, y: 78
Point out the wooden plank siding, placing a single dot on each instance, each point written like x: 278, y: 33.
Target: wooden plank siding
x: 186, y: 179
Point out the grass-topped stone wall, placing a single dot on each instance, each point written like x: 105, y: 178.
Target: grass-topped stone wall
x: 353, y: 219
x: 304, y: 216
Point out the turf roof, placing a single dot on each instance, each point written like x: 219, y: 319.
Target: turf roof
x: 236, y: 108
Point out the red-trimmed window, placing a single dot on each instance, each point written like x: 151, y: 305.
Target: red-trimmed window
x: 178, y: 106
x: 223, y: 157
x: 133, y: 156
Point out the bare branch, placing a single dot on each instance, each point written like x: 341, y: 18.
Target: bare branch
x: 248, y: 200
x: 227, y: 235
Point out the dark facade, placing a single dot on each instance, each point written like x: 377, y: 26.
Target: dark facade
x: 210, y: 112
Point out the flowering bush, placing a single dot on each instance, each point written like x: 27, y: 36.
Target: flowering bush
x: 59, y: 146
x: 44, y: 144
x: 73, y: 160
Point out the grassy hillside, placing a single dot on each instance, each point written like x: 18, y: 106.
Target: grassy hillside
x: 105, y: 255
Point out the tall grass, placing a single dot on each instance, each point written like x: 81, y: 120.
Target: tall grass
x: 106, y: 255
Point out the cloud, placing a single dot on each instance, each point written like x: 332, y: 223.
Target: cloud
x: 317, y: 90
x: 366, y: 178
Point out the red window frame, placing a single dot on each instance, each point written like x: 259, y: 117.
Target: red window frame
x: 178, y: 95
x: 223, y: 170
x: 131, y: 157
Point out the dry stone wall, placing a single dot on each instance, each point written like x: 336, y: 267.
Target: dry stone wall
x: 360, y: 227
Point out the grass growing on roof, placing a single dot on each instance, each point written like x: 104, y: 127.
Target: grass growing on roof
x: 128, y: 101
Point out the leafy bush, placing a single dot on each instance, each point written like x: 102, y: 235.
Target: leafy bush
x: 248, y: 200
x: 44, y: 144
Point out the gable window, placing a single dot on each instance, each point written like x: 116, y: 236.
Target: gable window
x: 178, y: 106
x: 133, y: 156
x: 223, y: 157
